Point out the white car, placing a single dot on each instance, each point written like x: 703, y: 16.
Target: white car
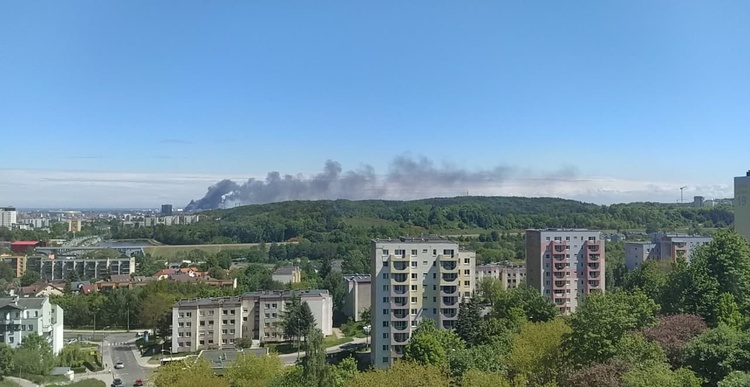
x: 119, y: 365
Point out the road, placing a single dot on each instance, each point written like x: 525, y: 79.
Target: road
x: 291, y: 358
x: 119, y: 347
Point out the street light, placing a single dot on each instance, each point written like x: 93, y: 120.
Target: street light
x: 367, y: 329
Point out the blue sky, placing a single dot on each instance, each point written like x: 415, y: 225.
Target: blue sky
x: 638, y: 92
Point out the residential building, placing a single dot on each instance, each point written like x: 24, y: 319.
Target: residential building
x: 698, y: 201
x: 510, y: 275
x: 53, y: 268
x: 216, y: 323
x: 8, y: 216
x: 23, y: 247
x: 287, y: 275
x: 41, y: 289
x: 565, y: 265
x: 742, y: 205
x: 414, y: 279
x: 357, y: 295
x: 166, y: 210
x: 35, y: 222
x: 16, y: 262
x: 75, y: 225
x: 22, y: 316
x: 663, y: 247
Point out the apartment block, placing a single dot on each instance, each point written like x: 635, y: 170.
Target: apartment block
x: 22, y: 316
x: 75, y: 225
x: 216, y: 323
x: 741, y: 205
x: 16, y: 262
x: 8, y: 217
x: 52, y: 268
x: 287, y: 275
x: 357, y: 295
x: 510, y: 275
x: 565, y: 265
x: 663, y: 247
x: 414, y: 279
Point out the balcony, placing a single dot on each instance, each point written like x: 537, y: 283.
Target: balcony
x: 400, y: 313
x: 449, y: 324
x: 593, y: 248
x: 448, y: 277
x: 559, y: 257
x: 400, y: 325
x: 560, y: 266
x: 448, y: 312
x: 448, y: 301
x: 593, y: 257
x: 560, y: 284
x: 594, y: 265
x: 594, y: 283
x: 399, y: 266
x: 559, y: 274
x: 594, y: 274
x: 400, y: 301
x: 448, y: 265
x: 399, y: 290
x: 400, y: 278
x: 560, y: 301
x: 559, y: 248
x: 448, y: 290
x: 448, y: 257
x: 400, y: 338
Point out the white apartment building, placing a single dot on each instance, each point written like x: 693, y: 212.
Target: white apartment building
x: 663, y: 247
x: 8, y: 217
x: 565, y: 265
x: 22, y: 316
x: 511, y: 276
x: 357, y: 295
x: 413, y: 279
x: 216, y: 323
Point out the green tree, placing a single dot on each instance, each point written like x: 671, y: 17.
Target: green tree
x: 736, y: 379
x: 659, y: 374
x: 314, y: 367
x: 188, y: 374
x: 29, y: 278
x: 718, y: 352
x: 6, y: 359
x: 254, y: 371
x: 534, y: 305
x: 297, y: 320
x: 602, y: 320
x: 469, y: 324
x: 477, y: 378
x: 486, y: 358
x: 402, y: 374
x: 344, y: 372
x: 490, y: 289
x: 728, y: 312
x: 6, y: 272
x: 34, y: 355
x: 425, y: 349
x: 650, y: 278
x: 536, y: 352
x: 672, y: 333
x: 634, y: 349
x: 156, y: 312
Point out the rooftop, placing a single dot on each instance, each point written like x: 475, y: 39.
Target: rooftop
x: 415, y: 239
x: 25, y: 243
x: 288, y: 270
x: 23, y: 302
x: 358, y: 277
x: 250, y: 295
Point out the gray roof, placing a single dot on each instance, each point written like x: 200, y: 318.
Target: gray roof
x: 23, y: 302
x: 357, y: 277
x: 237, y: 300
x: 286, y: 270
x: 413, y: 239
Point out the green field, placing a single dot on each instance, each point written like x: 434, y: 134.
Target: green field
x: 171, y: 251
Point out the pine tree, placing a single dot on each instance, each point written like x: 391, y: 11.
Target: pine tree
x: 469, y: 324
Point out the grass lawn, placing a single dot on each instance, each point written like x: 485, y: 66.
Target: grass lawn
x: 8, y: 383
x: 84, y: 383
x: 167, y: 251
x: 291, y: 347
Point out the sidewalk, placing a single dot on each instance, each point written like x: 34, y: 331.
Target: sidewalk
x: 21, y: 382
x: 142, y: 360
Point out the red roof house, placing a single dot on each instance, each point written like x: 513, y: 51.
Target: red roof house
x: 22, y: 247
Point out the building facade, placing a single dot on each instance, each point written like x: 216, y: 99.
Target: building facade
x: 510, y: 275
x: 741, y: 205
x: 357, y: 295
x: 287, y: 275
x: 52, y: 268
x: 414, y: 279
x: 565, y: 265
x: 166, y: 210
x: 75, y: 225
x: 663, y: 247
x: 16, y: 262
x: 8, y: 217
x: 22, y: 316
x: 216, y: 323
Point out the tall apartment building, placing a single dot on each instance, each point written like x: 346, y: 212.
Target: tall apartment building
x: 22, y: 316
x: 357, y: 295
x: 8, y: 217
x: 413, y: 279
x: 216, y: 323
x: 510, y: 275
x: 75, y: 225
x: 52, y: 268
x: 663, y: 247
x: 565, y: 265
x: 741, y: 205
x: 166, y: 210
x: 16, y: 262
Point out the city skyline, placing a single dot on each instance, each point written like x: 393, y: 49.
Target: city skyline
x: 140, y: 104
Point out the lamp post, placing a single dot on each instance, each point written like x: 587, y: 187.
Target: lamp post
x: 367, y: 329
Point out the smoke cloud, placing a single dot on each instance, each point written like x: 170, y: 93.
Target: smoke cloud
x: 407, y: 178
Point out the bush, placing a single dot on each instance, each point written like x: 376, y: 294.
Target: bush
x: 78, y: 370
x: 93, y: 367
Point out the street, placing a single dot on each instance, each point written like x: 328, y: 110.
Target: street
x: 290, y: 359
x: 119, y: 347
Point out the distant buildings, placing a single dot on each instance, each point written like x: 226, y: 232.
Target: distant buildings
x: 663, y: 247
x: 22, y: 247
x: 413, y: 279
x: 216, y: 323
x: 287, y: 275
x: 22, y: 316
x: 74, y: 225
x: 511, y: 276
x: 53, y: 268
x: 8, y: 217
x: 166, y: 210
x: 357, y: 295
x: 16, y: 262
x: 565, y: 265
x: 741, y: 205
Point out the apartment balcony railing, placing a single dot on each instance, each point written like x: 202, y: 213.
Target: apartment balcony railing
x: 449, y: 324
x: 449, y: 265
x: 448, y: 290
x: 400, y: 301
x: 594, y: 283
x: 449, y: 312
x: 594, y: 265
x: 560, y: 284
x: 559, y: 274
x: 559, y: 248
x: 560, y: 301
x: 399, y: 289
x: 399, y: 325
x: 559, y: 257
x: 448, y: 301
x: 593, y: 248
x: 594, y: 274
x: 593, y: 257
x: 560, y: 266
x: 400, y: 313
x: 400, y: 278
x: 449, y: 277
x: 399, y: 266
x: 400, y: 337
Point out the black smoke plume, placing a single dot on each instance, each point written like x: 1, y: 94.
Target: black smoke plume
x: 407, y: 178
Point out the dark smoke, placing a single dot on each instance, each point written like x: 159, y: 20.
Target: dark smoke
x: 407, y: 178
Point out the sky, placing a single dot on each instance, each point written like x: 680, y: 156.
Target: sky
x: 138, y: 103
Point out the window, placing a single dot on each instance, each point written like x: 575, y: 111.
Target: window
x: 224, y: 312
x: 424, y: 263
x: 385, y: 275
x: 385, y: 311
x: 210, y: 312
x: 224, y: 322
x: 182, y: 315
x: 385, y: 335
x: 385, y: 359
x: 467, y: 283
x: 414, y: 252
x: 467, y: 261
x: 567, y: 238
x: 268, y: 306
x: 385, y: 324
x: 385, y: 252
x: 466, y: 272
x: 434, y: 299
x: 414, y: 276
x: 202, y: 323
x: 385, y: 299
x: 385, y: 288
x: 413, y: 323
x: 413, y: 263
x: 268, y: 315
x: 231, y: 311
x: 385, y: 347
x: 414, y: 300
x: 413, y: 311
x: 414, y: 288
x: 434, y: 275
x: 231, y: 322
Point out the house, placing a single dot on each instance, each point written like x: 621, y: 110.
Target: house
x: 287, y: 275
x: 22, y: 316
x: 40, y: 289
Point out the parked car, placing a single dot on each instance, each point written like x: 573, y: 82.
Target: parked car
x: 138, y: 382
x: 119, y: 365
x: 117, y: 382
